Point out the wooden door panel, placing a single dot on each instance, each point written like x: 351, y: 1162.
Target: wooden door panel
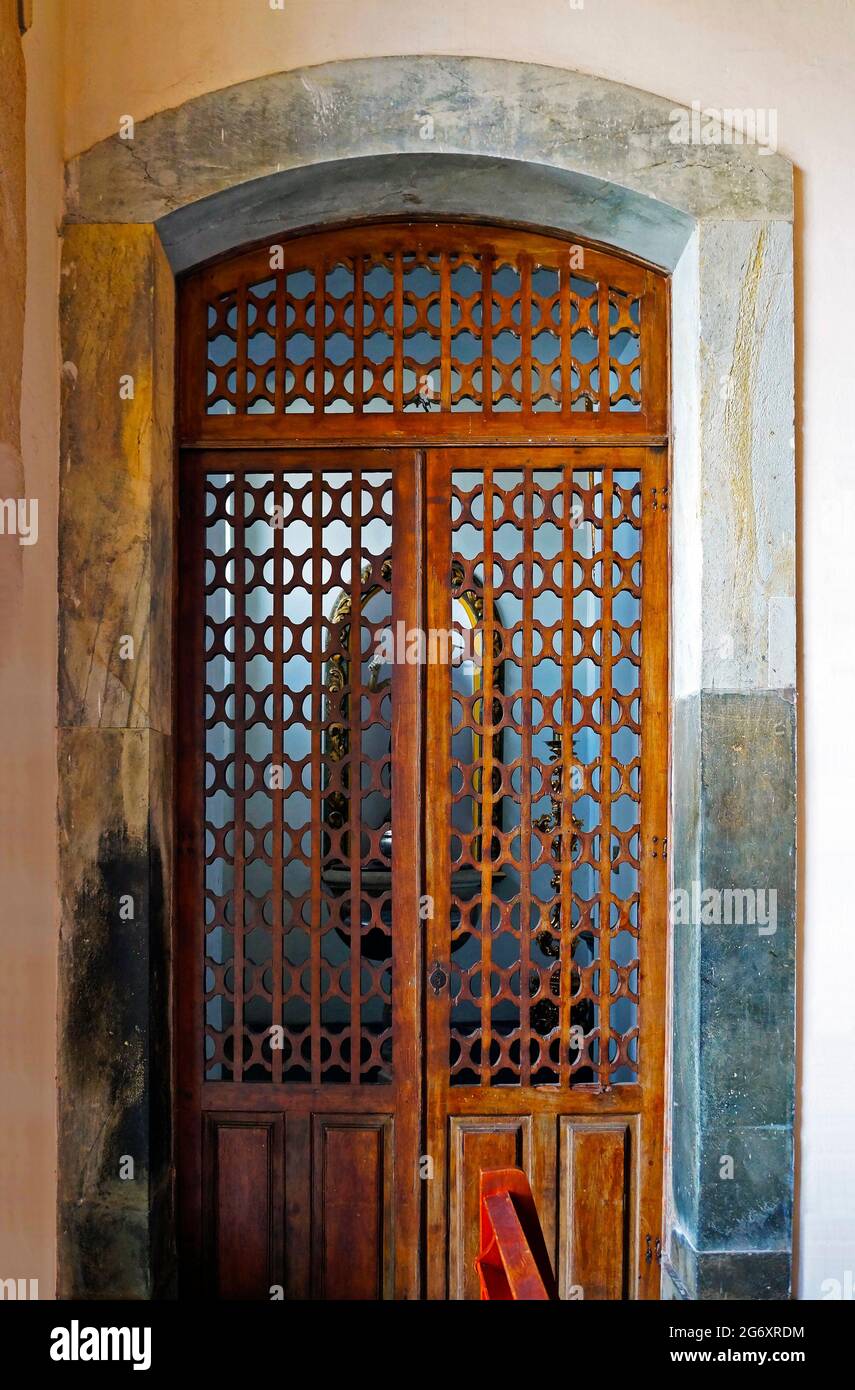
x: 352, y: 1184
x: 494, y: 1142
x: 299, y: 874
x: 245, y: 1200
x: 498, y: 333
x: 594, y: 1203
x: 546, y: 845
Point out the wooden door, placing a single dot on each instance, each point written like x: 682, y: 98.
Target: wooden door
x: 299, y: 869
x: 546, y: 856
x: 339, y: 1088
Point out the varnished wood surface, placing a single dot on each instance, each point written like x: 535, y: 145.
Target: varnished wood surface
x: 256, y: 1121
x: 323, y: 338
x: 516, y: 1123
x: 284, y: 1181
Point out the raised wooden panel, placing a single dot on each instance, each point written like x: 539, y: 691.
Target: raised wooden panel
x: 594, y: 1206
x: 476, y: 1143
x: 243, y: 1162
x: 352, y: 1223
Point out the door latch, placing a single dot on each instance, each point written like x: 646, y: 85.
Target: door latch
x: 438, y: 979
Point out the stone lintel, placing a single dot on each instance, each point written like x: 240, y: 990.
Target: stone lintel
x: 418, y: 105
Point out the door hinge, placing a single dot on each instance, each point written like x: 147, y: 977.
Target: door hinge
x: 659, y: 498
x: 438, y: 979
x: 652, y: 1248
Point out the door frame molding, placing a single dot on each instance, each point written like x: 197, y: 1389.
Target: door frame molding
x: 721, y: 218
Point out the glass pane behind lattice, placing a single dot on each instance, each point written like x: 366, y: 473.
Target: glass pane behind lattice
x: 298, y: 810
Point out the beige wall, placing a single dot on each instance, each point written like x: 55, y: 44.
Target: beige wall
x: 782, y: 54
x: 143, y: 55
x: 28, y: 912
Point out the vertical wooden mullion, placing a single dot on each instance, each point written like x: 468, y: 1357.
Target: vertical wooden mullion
x: 358, y: 331
x: 354, y: 790
x: 606, y: 761
x: 445, y: 330
x: 568, y: 770
x: 242, y: 364
x: 525, y: 776
x: 566, y: 319
x: 438, y: 861
x: 193, y: 356
x: 653, y: 864
x: 278, y: 756
x: 487, y: 332
x: 525, y: 333
x: 320, y: 335
x: 487, y: 683
x: 317, y: 773
x: 279, y: 339
x: 240, y: 768
x: 655, y: 357
x: 190, y: 1013
x: 398, y: 332
x: 408, y: 966
x: 604, y: 345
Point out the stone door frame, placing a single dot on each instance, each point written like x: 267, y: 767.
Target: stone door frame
x: 431, y: 136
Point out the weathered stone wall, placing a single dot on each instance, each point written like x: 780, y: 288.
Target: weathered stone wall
x: 734, y: 1000
x: 734, y: 757
x: 115, y: 757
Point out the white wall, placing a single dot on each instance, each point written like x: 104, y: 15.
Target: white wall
x: 28, y: 615
x: 799, y: 59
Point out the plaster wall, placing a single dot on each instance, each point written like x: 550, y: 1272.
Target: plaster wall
x: 154, y: 54
x: 30, y: 216
x: 774, y: 53
x: 595, y: 145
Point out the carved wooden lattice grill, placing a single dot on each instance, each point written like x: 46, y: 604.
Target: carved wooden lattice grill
x: 545, y: 753
x: 298, y: 718
x: 421, y: 908
x: 453, y: 325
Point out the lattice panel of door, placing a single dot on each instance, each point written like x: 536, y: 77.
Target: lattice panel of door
x: 545, y: 778
x: 298, y: 932
x: 451, y: 332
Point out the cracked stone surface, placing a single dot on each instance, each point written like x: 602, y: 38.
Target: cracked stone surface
x: 369, y: 107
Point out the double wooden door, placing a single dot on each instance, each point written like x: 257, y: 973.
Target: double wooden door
x: 422, y: 838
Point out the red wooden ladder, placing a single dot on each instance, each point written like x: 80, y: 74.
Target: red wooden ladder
x: 512, y: 1261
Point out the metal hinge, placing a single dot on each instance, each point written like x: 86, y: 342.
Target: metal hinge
x: 652, y: 1248
x: 659, y: 498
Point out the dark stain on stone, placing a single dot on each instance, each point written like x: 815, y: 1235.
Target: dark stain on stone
x: 115, y: 1079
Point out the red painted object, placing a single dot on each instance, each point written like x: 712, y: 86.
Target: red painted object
x: 512, y: 1261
